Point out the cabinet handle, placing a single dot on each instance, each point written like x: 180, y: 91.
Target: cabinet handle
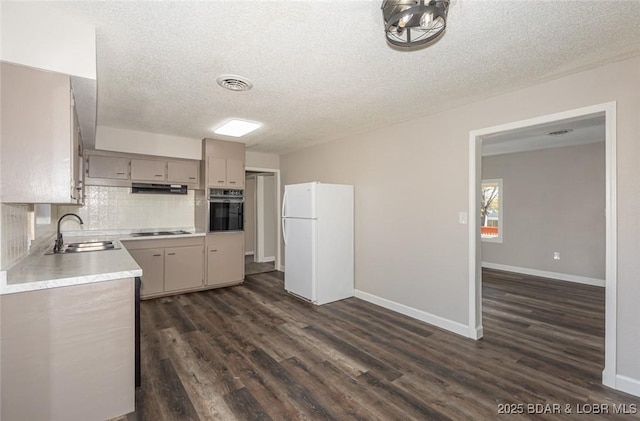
x: 171, y: 254
x: 232, y: 182
x: 120, y: 173
x: 192, y: 178
x: 159, y: 175
x: 211, y: 251
x: 157, y: 255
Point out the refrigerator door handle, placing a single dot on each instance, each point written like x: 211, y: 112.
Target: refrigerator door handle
x: 284, y: 205
x: 284, y: 231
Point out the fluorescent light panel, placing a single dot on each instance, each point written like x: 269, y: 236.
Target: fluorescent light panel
x: 237, y: 128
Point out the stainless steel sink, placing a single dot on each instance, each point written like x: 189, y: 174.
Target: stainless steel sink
x: 87, y: 246
x: 91, y: 244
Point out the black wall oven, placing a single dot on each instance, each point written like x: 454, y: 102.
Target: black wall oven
x: 226, y: 210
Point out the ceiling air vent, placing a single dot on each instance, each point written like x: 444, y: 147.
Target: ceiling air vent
x: 559, y: 132
x: 234, y: 83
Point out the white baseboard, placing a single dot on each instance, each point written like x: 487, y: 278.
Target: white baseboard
x: 281, y: 268
x: 609, y: 378
x: 267, y: 259
x: 438, y: 321
x: 248, y: 253
x: 476, y: 333
x: 544, y: 274
x: 628, y: 385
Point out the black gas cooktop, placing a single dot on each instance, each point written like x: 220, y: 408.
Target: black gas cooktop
x: 156, y: 233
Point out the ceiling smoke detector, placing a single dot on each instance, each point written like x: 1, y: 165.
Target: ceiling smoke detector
x: 559, y: 132
x: 234, y: 83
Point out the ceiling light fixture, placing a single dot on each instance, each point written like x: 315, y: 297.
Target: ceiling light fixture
x: 237, y: 128
x: 409, y: 23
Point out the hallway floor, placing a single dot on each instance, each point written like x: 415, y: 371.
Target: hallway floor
x: 252, y: 268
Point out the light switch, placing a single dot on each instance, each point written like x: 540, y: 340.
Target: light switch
x: 462, y: 218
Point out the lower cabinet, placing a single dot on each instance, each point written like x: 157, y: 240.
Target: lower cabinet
x: 152, y: 263
x: 68, y: 352
x: 168, y: 265
x: 225, y: 258
x: 179, y: 264
x: 183, y: 267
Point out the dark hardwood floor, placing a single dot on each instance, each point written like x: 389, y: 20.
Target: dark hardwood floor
x: 252, y: 352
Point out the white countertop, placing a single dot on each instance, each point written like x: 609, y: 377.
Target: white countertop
x: 40, y: 271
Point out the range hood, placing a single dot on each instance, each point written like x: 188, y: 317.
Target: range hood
x: 158, y: 188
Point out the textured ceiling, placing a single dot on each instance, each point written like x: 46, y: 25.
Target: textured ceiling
x: 322, y: 69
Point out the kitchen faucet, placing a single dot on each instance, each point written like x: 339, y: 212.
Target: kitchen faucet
x: 59, y: 242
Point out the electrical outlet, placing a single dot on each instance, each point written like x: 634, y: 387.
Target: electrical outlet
x: 556, y: 255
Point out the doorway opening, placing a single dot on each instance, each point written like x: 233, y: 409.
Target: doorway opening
x: 262, y: 235
x: 487, y: 137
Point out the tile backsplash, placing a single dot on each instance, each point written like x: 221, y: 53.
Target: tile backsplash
x: 116, y: 208
x: 15, y: 233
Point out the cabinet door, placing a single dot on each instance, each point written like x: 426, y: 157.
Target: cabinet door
x: 235, y: 173
x: 182, y: 172
x: 36, y: 133
x: 152, y: 263
x: 184, y: 267
x: 217, y: 172
x: 225, y: 258
x: 148, y: 170
x: 108, y: 167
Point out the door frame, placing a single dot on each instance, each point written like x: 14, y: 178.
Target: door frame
x: 475, y: 252
x: 276, y: 173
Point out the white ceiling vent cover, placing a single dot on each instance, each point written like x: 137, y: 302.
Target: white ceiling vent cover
x: 234, y: 83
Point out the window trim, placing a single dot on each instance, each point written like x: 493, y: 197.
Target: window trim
x: 500, y: 236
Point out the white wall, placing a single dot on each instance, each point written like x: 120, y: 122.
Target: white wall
x: 410, y: 248
x: 270, y: 216
x: 131, y: 141
x: 553, y: 200
x: 249, y: 214
x: 262, y: 160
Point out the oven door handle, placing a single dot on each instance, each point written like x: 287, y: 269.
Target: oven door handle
x: 226, y: 201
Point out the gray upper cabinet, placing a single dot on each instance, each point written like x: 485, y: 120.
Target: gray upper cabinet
x: 148, y: 170
x: 235, y: 173
x: 120, y: 169
x: 182, y: 172
x: 224, y: 163
x: 40, y: 140
x: 217, y: 172
x: 109, y: 167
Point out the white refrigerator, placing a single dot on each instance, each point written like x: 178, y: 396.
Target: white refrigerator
x: 317, y: 228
